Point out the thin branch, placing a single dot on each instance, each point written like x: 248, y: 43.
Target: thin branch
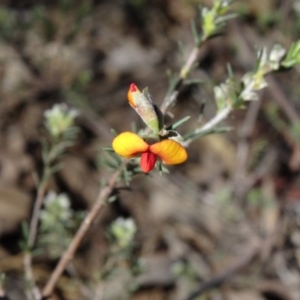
x: 27, y: 261
x: 32, y: 291
x: 184, y: 72
x: 85, y: 225
x: 219, y: 117
x: 35, y: 215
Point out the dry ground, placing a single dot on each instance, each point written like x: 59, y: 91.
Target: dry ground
x: 229, y: 218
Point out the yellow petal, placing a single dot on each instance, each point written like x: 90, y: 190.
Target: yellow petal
x: 130, y: 95
x: 129, y: 144
x: 170, y: 152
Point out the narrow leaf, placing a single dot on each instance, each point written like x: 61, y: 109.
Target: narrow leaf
x: 178, y: 123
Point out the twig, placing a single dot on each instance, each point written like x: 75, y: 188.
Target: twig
x: 27, y: 261
x: 85, y: 225
x: 35, y: 215
x: 33, y: 291
x: 184, y: 72
x: 219, y: 117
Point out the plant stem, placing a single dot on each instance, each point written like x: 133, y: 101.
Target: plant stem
x: 35, y: 215
x: 33, y: 291
x: 184, y: 72
x: 219, y: 117
x: 85, y: 225
x: 27, y: 261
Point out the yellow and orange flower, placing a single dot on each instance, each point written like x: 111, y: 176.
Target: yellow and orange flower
x: 130, y: 145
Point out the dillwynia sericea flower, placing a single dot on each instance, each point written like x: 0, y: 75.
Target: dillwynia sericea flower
x: 156, y: 145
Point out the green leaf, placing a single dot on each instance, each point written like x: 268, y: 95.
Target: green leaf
x: 111, y: 164
x: 172, y: 81
x: 194, y: 135
x: 223, y: 19
x: 25, y: 230
x: 114, y: 133
x: 292, y: 57
x: 192, y: 81
x: 111, y: 199
x: 133, y: 127
x: 195, y: 33
x: 115, y: 157
x: 178, y: 123
x: 108, y: 149
x: 127, y: 176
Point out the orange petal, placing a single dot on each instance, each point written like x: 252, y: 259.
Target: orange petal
x: 148, y: 161
x: 132, y: 89
x: 170, y: 152
x: 129, y: 144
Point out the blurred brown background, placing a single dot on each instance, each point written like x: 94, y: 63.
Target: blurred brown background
x: 231, y: 209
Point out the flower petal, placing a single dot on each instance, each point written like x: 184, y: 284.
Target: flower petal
x: 170, y: 152
x: 129, y: 144
x: 132, y: 89
x: 148, y: 161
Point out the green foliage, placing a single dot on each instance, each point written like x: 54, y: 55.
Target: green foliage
x: 113, y: 162
x: 292, y: 57
x: 234, y: 93
x: 212, y: 20
x: 121, y: 264
x: 59, y: 120
x: 58, y: 222
x: 110, y: 159
x: 123, y: 231
x: 228, y: 94
x: 215, y: 18
x: 178, y: 123
x: 265, y: 63
x: 193, y: 135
